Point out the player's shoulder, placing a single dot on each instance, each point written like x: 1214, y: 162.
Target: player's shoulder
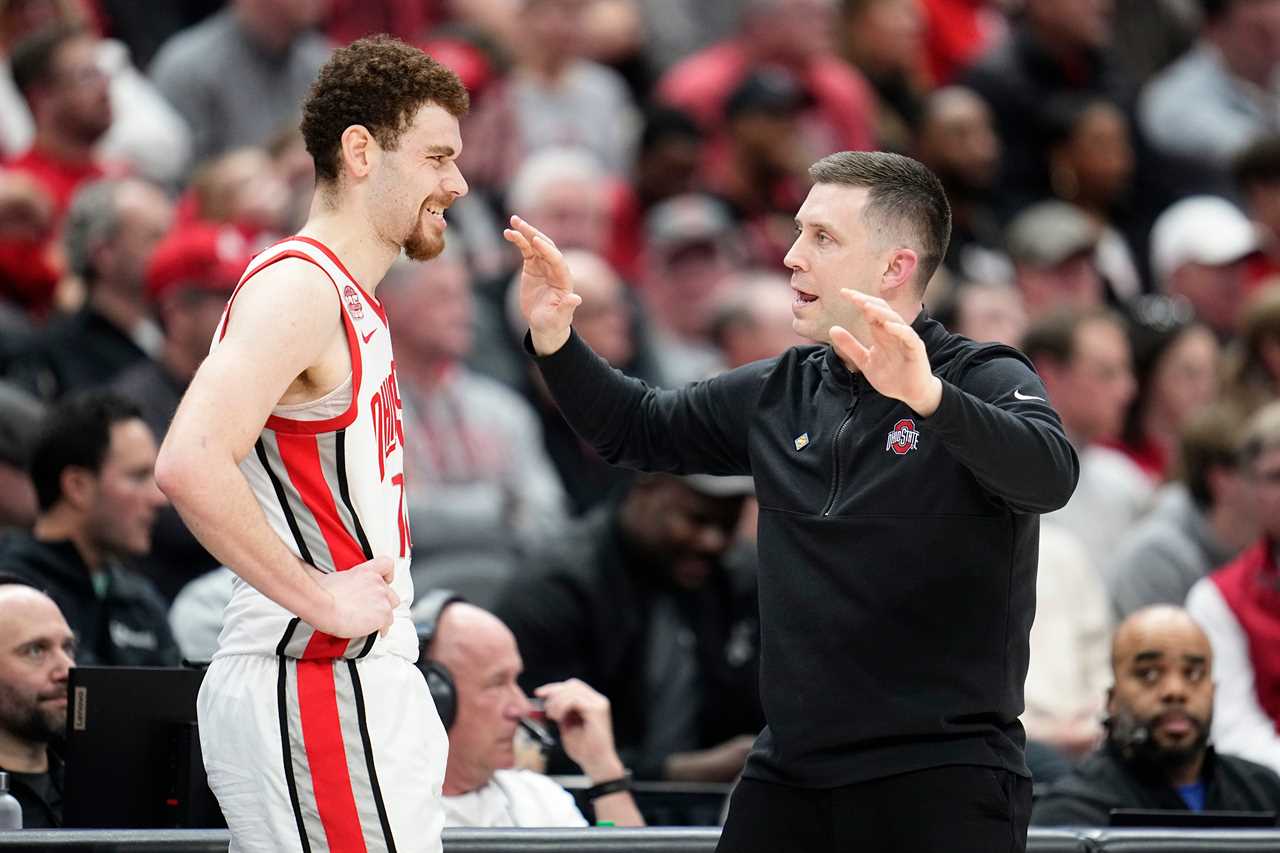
x: 291, y: 296
x: 296, y: 281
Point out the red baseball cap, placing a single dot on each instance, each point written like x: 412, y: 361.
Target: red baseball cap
x: 199, y: 256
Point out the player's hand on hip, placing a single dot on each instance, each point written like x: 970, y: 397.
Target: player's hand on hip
x: 896, y: 363
x: 586, y: 726
x: 362, y: 600
x: 547, y: 299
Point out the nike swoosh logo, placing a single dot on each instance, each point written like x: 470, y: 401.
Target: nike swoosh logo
x: 1017, y: 395
x: 370, y: 335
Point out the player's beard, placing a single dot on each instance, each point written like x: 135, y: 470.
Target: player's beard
x: 421, y: 244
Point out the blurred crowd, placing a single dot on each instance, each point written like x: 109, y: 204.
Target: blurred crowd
x: 1113, y: 168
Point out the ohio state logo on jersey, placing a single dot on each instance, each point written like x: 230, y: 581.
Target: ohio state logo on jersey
x: 903, y: 437
x: 354, y: 306
x: 388, y: 427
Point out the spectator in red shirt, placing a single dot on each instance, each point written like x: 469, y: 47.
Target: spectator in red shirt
x: 28, y: 266
x: 796, y: 35
x: 957, y: 32
x: 56, y: 70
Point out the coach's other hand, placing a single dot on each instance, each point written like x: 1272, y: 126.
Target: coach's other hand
x: 896, y: 363
x: 547, y: 299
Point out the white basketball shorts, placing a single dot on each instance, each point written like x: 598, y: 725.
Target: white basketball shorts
x: 327, y: 756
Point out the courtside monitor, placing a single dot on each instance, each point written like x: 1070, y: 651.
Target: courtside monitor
x: 133, y: 753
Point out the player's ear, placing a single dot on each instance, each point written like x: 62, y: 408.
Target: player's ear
x: 360, y: 151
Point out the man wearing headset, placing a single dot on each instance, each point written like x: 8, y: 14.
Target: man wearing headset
x: 1157, y: 753
x: 471, y: 663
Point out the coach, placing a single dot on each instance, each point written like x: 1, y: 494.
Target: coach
x: 899, y: 470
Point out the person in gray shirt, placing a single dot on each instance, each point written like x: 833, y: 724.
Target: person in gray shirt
x: 238, y: 76
x: 1199, y: 522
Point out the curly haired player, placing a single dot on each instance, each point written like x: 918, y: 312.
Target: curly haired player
x: 285, y: 459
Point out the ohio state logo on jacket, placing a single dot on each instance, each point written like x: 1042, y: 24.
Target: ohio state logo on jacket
x: 903, y: 437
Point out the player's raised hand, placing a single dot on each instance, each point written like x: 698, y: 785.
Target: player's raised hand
x: 362, y: 599
x: 547, y: 299
x: 896, y: 363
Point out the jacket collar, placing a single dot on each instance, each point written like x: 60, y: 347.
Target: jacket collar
x: 834, y: 369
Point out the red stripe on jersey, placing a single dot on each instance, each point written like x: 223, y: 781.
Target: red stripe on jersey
x: 377, y: 306
x: 301, y: 457
x: 344, y: 420
x: 250, y: 273
x: 327, y: 757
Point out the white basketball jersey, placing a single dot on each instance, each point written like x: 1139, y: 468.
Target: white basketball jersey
x: 329, y: 475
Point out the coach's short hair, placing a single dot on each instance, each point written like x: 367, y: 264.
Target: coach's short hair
x: 906, y: 202
x: 380, y: 83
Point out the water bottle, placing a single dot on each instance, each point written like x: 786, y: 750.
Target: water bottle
x: 10, y: 810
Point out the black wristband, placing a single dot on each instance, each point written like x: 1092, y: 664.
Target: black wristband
x: 613, y: 786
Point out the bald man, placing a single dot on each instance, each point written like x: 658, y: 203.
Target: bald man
x: 1156, y: 755
x: 37, y: 649
x: 481, y: 788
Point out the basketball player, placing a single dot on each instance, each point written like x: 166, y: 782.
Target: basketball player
x: 285, y: 459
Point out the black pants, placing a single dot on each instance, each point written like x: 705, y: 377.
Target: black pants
x: 961, y: 809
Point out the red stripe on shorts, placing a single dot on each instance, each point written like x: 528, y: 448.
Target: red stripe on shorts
x: 327, y: 757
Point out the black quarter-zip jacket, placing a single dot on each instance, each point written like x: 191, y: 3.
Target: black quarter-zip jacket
x: 897, y: 553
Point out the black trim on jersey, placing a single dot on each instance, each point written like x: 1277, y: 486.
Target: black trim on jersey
x: 368, y: 757
x: 293, y: 528
x: 288, y: 635
x: 283, y: 703
x: 340, y: 447
x: 368, y: 645
x: 284, y: 504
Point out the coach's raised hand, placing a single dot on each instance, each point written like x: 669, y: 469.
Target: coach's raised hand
x: 547, y: 299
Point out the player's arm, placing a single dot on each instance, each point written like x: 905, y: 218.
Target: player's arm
x: 281, y: 325
x: 700, y: 428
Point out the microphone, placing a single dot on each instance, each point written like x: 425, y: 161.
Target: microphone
x: 1126, y: 733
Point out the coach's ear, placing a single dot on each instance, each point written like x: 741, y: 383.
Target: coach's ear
x: 360, y: 151
x: 899, y: 273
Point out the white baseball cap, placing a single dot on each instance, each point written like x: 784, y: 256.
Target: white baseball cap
x: 1202, y: 229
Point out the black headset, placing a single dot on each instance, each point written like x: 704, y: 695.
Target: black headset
x: 439, y: 680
